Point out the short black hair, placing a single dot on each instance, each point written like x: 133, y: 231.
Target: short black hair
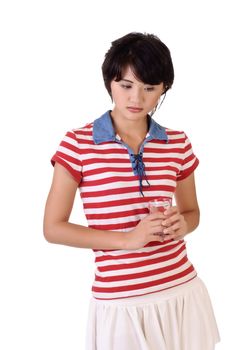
x: 148, y: 57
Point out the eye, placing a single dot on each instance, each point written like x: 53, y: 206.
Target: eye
x: 149, y: 88
x: 125, y: 86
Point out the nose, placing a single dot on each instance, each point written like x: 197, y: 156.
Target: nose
x: 136, y: 95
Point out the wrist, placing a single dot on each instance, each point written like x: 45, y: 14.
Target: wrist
x: 124, y: 240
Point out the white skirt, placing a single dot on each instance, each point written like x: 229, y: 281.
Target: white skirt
x: 180, y: 318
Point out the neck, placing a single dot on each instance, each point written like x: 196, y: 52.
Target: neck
x: 132, y: 132
x: 134, y: 128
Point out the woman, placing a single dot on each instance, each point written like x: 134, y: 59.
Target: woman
x: 146, y: 293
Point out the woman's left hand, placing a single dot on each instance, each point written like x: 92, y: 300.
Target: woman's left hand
x: 175, y: 224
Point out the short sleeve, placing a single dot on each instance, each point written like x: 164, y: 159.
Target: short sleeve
x: 68, y: 155
x: 189, y: 160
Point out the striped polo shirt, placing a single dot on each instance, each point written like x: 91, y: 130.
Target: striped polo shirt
x: 115, y: 187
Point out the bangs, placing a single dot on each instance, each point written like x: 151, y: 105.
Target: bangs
x: 151, y: 75
x: 146, y: 55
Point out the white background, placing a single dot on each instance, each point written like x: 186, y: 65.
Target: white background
x: 50, y: 81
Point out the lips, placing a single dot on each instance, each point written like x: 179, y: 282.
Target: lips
x: 134, y: 109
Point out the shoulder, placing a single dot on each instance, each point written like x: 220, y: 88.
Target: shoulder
x: 175, y: 136
x: 83, y: 130
x: 80, y: 134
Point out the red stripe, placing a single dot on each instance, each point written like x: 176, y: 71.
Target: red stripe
x: 127, y: 160
x: 141, y: 263
x: 127, y: 169
x: 127, y: 201
x: 105, y: 151
x: 163, y: 249
x: 188, y: 171
x: 176, y: 141
x: 107, y: 169
x: 124, y: 151
x: 70, y: 147
x: 83, y: 133
x: 71, y: 135
x: 123, y: 190
x: 68, y: 158
x: 163, y: 160
x: 188, y: 159
x: 175, y: 132
x: 106, y: 160
x: 143, y: 285
x: 163, y: 150
x: 157, y: 169
x: 114, y: 227
x: 120, y: 214
x: 142, y: 274
x: 150, y: 244
x: 187, y: 148
x: 126, y: 179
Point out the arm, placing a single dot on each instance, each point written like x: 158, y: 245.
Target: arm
x: 183, y: 218
x: 58, y: 229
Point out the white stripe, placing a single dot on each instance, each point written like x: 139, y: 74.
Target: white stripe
x: 165, y: 146
x: 176, y: 136
x: 87, y: 127
x: 145, y: 290
x: 121, y: 220
x: 107, y: 175
x: 140, y: 258
x: 130, y: 282
x: 116, y: 209
x: 99, y: 166
x: 109, y: 156
x: 138, y: 251
x: 155, y: 163
x: 72, y: 165
x: 123, y: 184
x: 141, y: 269
x: 189, y: 164
x: 70, y: 140
x: 68, y: 152
x: 100, y: 147
x: 117, y: 197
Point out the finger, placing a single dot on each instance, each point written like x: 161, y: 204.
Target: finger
x: 172, y: 229
x: 174, y: 237
x: 171, y: 211
x: 156, y: 230
x: 156, y: 215
x: 157, y: 238
x: 171, y: 220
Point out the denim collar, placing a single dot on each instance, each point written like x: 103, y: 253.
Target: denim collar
x: 103, y: 130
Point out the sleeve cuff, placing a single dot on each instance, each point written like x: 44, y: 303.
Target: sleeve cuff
x: 75, y: 174
x: 189, y: 171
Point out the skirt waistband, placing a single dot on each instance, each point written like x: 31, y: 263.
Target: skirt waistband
x: 160, y: 296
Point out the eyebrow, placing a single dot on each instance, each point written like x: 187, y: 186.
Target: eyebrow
x: 132, y: 82
x: 129, y: 81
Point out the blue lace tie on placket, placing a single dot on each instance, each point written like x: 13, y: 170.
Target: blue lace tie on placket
x: 139, y: 168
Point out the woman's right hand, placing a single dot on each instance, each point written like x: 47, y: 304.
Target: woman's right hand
x: 147, y: 230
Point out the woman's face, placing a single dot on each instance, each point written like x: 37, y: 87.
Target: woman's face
x: 134, y: 99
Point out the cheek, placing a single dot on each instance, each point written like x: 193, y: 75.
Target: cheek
x: 115, y: 97
x: 118, y: 96
x: 153, y: 101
